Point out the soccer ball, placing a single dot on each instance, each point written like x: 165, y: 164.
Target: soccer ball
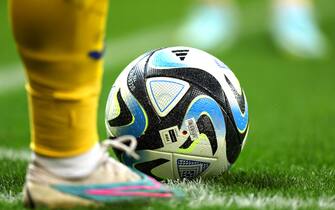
x: 185, y: 107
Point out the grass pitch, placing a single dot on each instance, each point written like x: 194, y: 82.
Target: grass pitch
x: 289, y: 159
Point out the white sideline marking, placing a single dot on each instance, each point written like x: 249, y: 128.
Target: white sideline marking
x: 119, y: 51
x: 202, y: 195
x: 11, y: 77
x: 12, y: 154
x: 10, y: 198
x: 125, y: 49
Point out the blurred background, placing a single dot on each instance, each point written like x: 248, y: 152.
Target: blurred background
x: 291, y: 99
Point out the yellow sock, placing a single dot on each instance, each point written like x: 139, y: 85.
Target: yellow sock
x: 60, y: 42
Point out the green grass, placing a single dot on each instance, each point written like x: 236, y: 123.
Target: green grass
x: 290, y: 148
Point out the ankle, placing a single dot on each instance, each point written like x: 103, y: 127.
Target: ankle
x: 71, y: 167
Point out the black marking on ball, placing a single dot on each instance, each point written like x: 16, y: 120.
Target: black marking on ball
x: 239, y: 97
x: 147, y: 166
x: 125, y: 116
x: 233, y: 142
x: 206, y: 127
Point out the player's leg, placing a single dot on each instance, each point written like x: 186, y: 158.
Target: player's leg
x: 295, y: 28
x: 211, y: 24
x: 61, y: 44
x: 55, y: 39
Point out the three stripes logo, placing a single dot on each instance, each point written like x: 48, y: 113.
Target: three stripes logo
x: 181, y: 54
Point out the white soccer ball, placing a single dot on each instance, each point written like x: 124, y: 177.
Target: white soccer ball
x: 185, y: 107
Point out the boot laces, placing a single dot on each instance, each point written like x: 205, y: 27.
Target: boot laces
x: 120, y: 143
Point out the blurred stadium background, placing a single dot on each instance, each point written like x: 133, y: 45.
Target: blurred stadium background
x: 289, y: 159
